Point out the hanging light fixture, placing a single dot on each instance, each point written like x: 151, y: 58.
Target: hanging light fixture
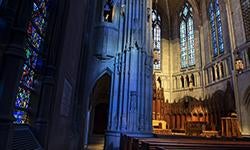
x: 239, y: 65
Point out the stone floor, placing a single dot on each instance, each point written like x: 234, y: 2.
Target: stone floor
x: 95, y: 147
x: 96, y: 142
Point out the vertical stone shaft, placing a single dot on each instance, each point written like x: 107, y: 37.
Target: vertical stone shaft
x: 12, y: 34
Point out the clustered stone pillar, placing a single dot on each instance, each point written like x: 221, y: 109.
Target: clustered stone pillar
x: 131, y: 107
x: 47, y: 97
x: 14, y: 17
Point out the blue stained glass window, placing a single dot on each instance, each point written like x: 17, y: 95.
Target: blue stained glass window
x: 156, y: 25
x: 216, y: 28
x: 27, y: 76
x: 219, y: 27
x: 187, y: 37
x: 183, y: 44
x: 190, y: 34
x: 32, y: 57
x: 34, y: 37
x: 20, y: 116
x: 213, y: 29
x: 23, y: 98
x: 33, y: 63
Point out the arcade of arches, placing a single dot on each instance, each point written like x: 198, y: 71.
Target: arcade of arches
x: 78, y: 73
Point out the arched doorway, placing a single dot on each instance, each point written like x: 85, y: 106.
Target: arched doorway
x: 99, y: 108
x: 100, y: 118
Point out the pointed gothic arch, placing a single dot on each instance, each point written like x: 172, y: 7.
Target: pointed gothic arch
x: 99, y: 104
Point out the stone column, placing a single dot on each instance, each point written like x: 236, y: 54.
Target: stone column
x: 54, y: 35
x: 12, y: 32
x: 42, y: 120
x: 48, y: 84
x: 133, y: 84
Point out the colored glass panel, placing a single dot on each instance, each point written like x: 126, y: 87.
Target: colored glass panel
x: 34, y: 37
x: 31, y: 56
x: 213, y: 29
x: 185, y: 11
x: 27, y: 76
x: 40, y: 23
x: 42, y: 6
x: 156, y: 22
x: 183, y: 44
x: 216, y: 28
x: 191, y: 57
x: 33, y: 63
x: 187, y: 37
x: 23, y: 97
x: 219, y: 27
x: 20, y: 116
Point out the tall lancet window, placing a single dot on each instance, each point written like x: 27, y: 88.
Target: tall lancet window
x: 216, y: 28
x: 33, y: 63
x: 187, y: 36
x: 156, y: 26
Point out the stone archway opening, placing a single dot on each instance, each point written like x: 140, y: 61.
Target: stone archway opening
x: 100, y: 118
x: 99, y: 108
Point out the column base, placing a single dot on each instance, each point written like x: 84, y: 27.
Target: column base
x: 6, y: 133
x: 112, y: 140
x: 245, y: 135
x: 41, y: 130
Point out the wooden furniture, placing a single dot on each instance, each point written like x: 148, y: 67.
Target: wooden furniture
x: 174, y: 142
x: 209, y: 134
x: 195, y: 128
x: 230, y: 127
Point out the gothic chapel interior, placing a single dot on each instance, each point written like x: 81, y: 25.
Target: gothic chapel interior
x: 115, y: 73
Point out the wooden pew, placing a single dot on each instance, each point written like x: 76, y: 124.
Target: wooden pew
x: 161, y: 146
x: 132, y: 143
x: 154, y: 145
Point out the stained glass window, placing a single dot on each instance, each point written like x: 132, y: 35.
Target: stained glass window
x: 190, y: 35
x: 187, y: 37
x: 33, y: 63
x: 183, y: 44
x: 156, y: 26
x: 216, y: 28
x: 245, y: 7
